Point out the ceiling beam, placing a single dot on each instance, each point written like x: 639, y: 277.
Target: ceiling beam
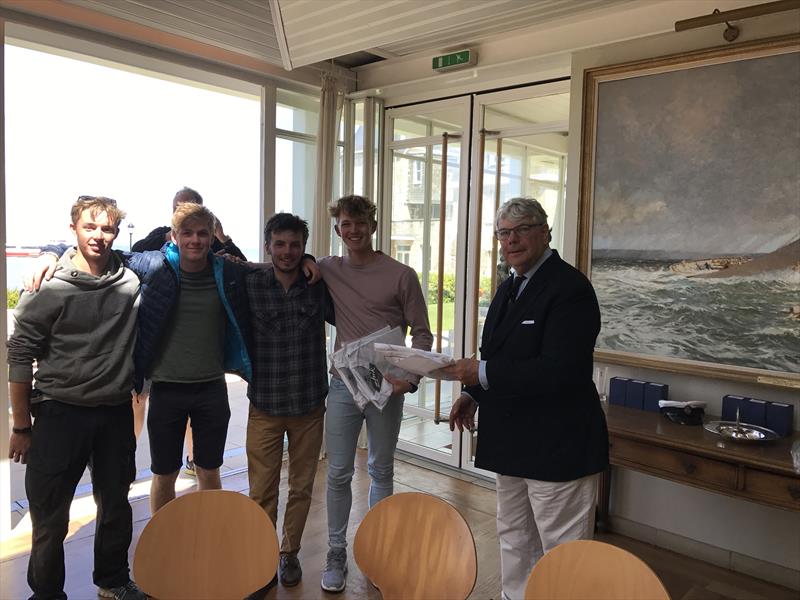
x: 280, y: 34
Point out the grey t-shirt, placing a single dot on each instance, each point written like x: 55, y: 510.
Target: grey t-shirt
x: 192, y: 348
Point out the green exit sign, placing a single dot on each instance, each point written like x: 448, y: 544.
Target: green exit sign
x: 455, y: 60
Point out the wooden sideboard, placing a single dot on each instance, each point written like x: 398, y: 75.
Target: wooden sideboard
x: 650, y: 443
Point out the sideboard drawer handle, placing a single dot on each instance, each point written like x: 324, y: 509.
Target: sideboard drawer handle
x: 689, y: 468
x: 794, y: 491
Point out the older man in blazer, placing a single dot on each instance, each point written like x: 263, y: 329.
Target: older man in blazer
x: 541, y: 427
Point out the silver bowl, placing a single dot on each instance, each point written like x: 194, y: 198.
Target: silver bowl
x: 741, y: 432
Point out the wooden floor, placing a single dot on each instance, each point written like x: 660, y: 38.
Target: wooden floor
x: 685, y: 579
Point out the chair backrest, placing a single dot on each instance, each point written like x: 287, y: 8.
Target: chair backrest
x: 590, y: 570
x: 415, y: 545
x: 211, y: 544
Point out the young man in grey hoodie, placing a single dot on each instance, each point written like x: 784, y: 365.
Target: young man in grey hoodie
x: 80, y: 329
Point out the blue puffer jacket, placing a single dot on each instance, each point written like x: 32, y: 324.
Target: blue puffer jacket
x: 159, y: 273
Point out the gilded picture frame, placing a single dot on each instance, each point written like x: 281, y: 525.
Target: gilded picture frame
x: 689, y: 211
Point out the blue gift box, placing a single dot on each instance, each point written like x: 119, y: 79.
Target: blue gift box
x: 780, y: 417
x: 617, y: 390
x: 754, y: 412
x: 653, y: 392
x: 634, y: 396
x: 729, y: 405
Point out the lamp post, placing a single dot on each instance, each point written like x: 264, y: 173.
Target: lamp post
x: 131, y: 227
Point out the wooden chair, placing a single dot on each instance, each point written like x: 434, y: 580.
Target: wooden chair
x: 589, y: 570
x: 212, y: 544
x: 415, y: 545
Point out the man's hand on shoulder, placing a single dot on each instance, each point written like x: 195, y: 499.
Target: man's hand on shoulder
x: 43, y: 270
x: 462, y: 414
x: 311, y: 270
x: 231, y: 257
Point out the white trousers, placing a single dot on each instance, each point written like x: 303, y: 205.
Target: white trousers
x: 534, y: 517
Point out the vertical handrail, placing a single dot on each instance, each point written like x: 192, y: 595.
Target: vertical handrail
x: 498, y: 171
x: 440, y: 280
x: 479, y: 219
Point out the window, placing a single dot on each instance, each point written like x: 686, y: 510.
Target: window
x: 417, y: 170
x: 403, y: 252
x: 76, y: 127
x: 296, y: 121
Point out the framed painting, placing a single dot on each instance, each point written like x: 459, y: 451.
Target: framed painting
x: 689, y: 213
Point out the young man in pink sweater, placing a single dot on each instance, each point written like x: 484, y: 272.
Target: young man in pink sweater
x: 370, y: 290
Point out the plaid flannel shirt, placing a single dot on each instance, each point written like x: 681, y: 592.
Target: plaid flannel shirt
x: 288, y: 350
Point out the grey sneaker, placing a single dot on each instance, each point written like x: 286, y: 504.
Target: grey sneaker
x: 129, y: 591
x: 290, y: 571
x: 333, y: 577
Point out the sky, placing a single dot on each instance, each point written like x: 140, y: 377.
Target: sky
x: 75, y: 128
x: 706, y: 160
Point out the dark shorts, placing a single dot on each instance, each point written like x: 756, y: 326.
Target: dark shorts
x: 171, y: 404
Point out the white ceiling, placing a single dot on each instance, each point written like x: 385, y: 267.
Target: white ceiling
x: 317, y: 30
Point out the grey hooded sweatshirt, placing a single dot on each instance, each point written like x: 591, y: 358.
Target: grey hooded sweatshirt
x: 81, y: 329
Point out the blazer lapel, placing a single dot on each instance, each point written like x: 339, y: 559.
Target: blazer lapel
x: 515, y: 311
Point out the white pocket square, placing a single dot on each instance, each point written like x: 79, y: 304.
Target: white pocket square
x: 530, y: 322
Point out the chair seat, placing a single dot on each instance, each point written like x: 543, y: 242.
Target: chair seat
x: 212, y: 544
x: 414, y: 545
x: 590, y: 570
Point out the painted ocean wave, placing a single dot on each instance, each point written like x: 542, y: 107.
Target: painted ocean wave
x: 742, y: 321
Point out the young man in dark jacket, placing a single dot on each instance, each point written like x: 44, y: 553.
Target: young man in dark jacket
x: 155, y: 240
x: 192, y: 330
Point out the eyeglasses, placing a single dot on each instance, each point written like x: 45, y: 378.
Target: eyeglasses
x: 520, y: 230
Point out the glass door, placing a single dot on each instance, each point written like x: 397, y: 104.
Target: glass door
x: 425, y: 186
x: 520, y: 149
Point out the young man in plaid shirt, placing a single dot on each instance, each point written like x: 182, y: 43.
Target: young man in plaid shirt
x: 289, y: 385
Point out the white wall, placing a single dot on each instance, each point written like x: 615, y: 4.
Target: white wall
x: 712, y: 526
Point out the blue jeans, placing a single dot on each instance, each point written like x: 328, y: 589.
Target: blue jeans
x: 343, y: 425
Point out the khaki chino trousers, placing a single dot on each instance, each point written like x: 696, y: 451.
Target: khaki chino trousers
x: 265, y: 435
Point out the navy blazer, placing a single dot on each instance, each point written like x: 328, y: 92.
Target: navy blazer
x: 541, y: 417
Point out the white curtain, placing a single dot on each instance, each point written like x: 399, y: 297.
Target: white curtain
x: 330, y: 106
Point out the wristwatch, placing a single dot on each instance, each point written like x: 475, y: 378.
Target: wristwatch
x: 414, y: 387
x: 22, y: 430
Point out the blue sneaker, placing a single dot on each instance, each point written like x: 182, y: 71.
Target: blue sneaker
x: 335, y: 573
